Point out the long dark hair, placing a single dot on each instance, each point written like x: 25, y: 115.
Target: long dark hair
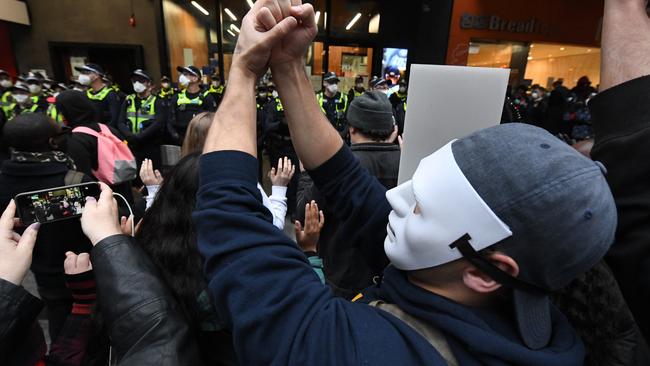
x: 168, y: 236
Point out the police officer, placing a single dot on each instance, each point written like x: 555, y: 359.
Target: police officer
x: 22, y: 101
x: 216, y: 89
x: 5, y: 86
x: 379, y: 84
x: 333, y: 103
x: 398, y: 100
x: 166, y: 89
x: 105, y: 100
x: 108, y: 80
x: 357, y: 90
x: 189, y: 102
x: 34, y: 82
x: 52, y: 112
x: 143, y: 118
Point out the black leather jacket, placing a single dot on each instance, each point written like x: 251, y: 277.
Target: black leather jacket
x: 145, y: 324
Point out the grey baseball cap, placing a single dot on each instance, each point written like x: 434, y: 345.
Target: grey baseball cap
x: 555, y: 201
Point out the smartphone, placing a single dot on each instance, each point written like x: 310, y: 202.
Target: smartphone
x: 55, y: 204
x: 170, y: 155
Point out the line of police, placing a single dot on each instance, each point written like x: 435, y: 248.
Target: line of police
x: 153, y: 116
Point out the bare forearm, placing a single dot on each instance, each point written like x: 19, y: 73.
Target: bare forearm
x: 314, y: 138
x: 625, y: 42
x: 234, y: 124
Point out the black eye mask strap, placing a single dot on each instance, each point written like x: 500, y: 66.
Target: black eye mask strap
x: 463, y: 245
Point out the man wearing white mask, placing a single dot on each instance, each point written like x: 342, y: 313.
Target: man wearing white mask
x: 142, y: 119
x: 187, y: 103
x: 103, y: 98
x: 488, y: 226
x: 334, y: 103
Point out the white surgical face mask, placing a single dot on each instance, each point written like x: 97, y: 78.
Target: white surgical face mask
x: 20, y: 98
x: 262, y: 95
x: 534, y: 95
x: 139, y: 87
x: 359, y: 86
x: 84, y: 79
x: 402, y: 89
x: 184, y: 80
x: 56, y: 94
x: 165, y: 85
x: 6, y: 83
x: 34, y: 88
x: 275, y: 94
x: 215, y: 84
x: 332, y: 88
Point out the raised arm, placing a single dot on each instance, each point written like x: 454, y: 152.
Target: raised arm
x: 625, y: 42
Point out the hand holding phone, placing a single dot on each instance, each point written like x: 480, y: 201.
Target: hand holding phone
x: 100, y: 217
x: 54, y: 204
x: 15, y: 250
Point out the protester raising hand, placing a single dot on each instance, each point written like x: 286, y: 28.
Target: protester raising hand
x: 15, y: 250
x: 307, y: 237
x: 285, y: 171
x: 148, y: 175
x: 100, y: 218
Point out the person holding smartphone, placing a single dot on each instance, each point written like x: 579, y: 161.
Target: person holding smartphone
x: 37, y: 163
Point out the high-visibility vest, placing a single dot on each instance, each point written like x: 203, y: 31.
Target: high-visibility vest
x: 213, y: 90
x: 10, y: 112
x: 146, y: 112
x: 278, y: 105
x: 54, y: 113
x: 7, y: 102
x: 101, y: 95
x: 343, y: 100
x: 166, y: 94
x: 184, y: 100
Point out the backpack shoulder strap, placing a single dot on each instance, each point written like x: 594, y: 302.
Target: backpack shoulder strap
x: 104, y: 129
x: 73, y: 177
x: 86, y: 130
x: 432, y: 334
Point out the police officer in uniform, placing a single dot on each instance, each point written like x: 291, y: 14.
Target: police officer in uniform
x: 103, y: 98
x: 52, y: 112
x: 5, y: 92
x: 279, y: 145
x: 143, y: 119
x: 357, y: 90
x: 189, y: 102
x: 333, y: 103
x: 22, y: 101
x: 34, y: 82
x: 398, y: 100
x: 216, y: 89
x: 167, y: 91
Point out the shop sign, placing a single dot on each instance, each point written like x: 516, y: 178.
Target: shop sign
x: 496, y: 23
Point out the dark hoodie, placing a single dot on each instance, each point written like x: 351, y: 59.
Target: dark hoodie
x: 266, y: 292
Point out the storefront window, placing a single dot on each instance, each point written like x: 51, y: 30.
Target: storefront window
x: 550, y: 62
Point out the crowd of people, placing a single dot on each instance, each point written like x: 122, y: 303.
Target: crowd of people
x: 514, y: 245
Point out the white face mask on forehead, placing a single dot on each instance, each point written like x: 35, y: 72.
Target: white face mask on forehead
x: 449, y: 208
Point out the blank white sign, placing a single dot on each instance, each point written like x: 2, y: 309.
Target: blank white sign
x: 446, y: 103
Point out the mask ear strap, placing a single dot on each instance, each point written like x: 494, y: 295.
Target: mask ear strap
x: 465, y: 248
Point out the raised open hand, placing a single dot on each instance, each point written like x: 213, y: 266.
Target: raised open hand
x: 307, y: 238
x: 148, y: 175
x: 285, y: 171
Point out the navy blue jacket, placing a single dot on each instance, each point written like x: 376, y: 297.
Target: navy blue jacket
x: 281, y: 314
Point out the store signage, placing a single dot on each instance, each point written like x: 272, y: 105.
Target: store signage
x: 496, y: 23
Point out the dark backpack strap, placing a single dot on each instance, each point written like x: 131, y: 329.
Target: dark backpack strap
x: 73, y: 177
x: 429, y: 332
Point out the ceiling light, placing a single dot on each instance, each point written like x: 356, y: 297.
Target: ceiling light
x: 562, y: 48
x: 231, y: 33
x: 234, y: 27
x: 201, y: 9
x: 530, y: 58
x: 325, y: 21
x: 354, y: 20
x: 532, y: 46
x: 230, y: 14
x: 317, y: 17
x: 589, y: 50
x: 250, y: 3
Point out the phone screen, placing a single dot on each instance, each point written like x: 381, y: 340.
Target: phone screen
x: 54, y: 204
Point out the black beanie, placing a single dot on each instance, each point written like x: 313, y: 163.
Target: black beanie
x: 371, y: 111
x: 76, y: 108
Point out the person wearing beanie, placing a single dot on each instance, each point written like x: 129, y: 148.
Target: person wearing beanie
x: 485, y: 229
x: 371, y: 128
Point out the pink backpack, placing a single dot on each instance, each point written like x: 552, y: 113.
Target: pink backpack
x: 116, y: 163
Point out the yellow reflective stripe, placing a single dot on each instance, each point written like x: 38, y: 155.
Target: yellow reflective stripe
x: 278, y: 105
x: 357, y: 297
x: 100, y: 95
x: 183, y: 99
x: 132, y: 114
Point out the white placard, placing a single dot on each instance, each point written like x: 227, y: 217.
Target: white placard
x: 446, y: 103
x: 188, y: 56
